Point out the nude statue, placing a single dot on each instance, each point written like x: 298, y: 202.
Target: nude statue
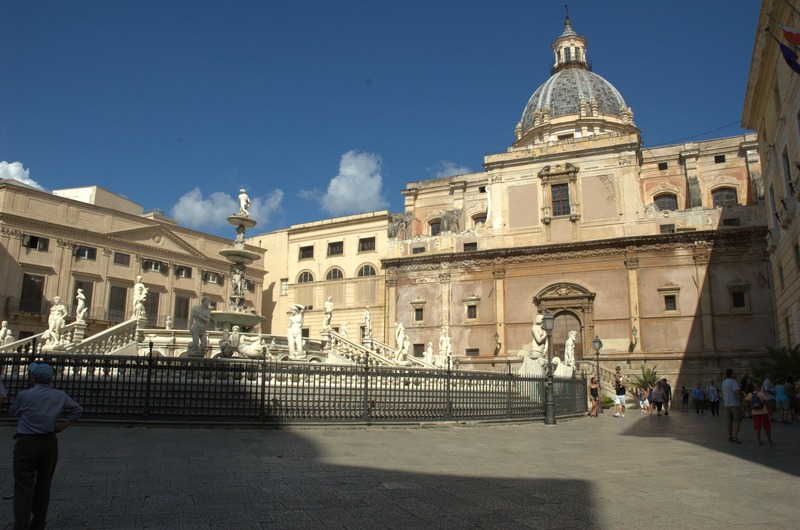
x: 399, y: 334
x: 6, y: 335
x: 569, y: 349
x: 199, y: 320
x: 328, y: 307
x: 80, y: 310
x: 55, y: 321
x: 367, y: 323
x: 139, y: 297
x: 295, y: 335
x: 429, y: 353
x: 244, y: 203
x: 539, y: 344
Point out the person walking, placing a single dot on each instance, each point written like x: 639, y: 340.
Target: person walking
x: 782, y: 402
x: 712, y: 395
x: 698, y: 396
x: 768, y: 387
x: 658, y: 397
x: 619, y: 387
x: 36, y: 450
x: 732, y: 398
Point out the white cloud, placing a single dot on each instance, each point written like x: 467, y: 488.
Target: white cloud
x: 15, y: 171
x: 199, y: 213
x: 357, y: 188
x: 445, y: 168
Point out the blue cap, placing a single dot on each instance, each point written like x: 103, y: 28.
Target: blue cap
x: 42, y: 371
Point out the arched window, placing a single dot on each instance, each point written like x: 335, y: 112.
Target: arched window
x: 334, y: 274
x: 366, y: 270
x: 724, y: 196
x: 305, y: 277
x: 667, y: 201
x: 435, y: 227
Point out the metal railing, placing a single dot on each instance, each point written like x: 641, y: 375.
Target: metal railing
x: 154, y: 388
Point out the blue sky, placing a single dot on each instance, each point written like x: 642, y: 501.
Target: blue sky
x: 325, y: 108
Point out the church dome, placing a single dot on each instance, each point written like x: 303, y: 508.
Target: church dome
x: 575, y: 102
x: 564, y: 92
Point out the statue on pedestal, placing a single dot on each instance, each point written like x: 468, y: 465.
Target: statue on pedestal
x: 199, y: 320
x: 139, y: 297
x: 295, y: 336
x: 80, y: 310
x: 328, y: 307
x: 244, y: 203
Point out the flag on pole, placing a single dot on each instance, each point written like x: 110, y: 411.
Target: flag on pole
x: 791, y: 35
x: 789, y: 55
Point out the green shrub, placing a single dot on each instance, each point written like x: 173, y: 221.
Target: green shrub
x: 608, y: 402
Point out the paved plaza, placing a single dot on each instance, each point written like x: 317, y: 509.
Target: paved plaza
x: 675, y: 471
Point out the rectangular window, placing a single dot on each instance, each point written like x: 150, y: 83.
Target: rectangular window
x: 786, y: 164
x: 336, y: 249
x: 212, y: 277
x: 419, y: 350
x: 419, y: 314
x: 82, y: 252
x: 306, y: 252
x: 36, y: 243
x: 780, y: 277
x: 182, y: 271
x: 667, y: 229
x: 482, y: 189
x: 733, y: 221
x: 663, y: 165
x: 436, y: 228
x: 153, y: 265
x: 305, y: 332
x: 121, y: 258
x: 366, y: 244
x: 181, y: 313
x: 738, y: 300
x: 797, y: 257
x: 670, y: 302
x: 418, y: 250
x: 32, y: 293
x: 151, y: 307
x: 473, y: 352
x: 470, y: 247
x: 566, y: 136
x: 560, y: 198
x: 719, y: 159
x: 472, y: 312
x: 284, y: 286
x: 117, y: 303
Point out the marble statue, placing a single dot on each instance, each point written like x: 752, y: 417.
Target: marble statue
x: 238, y: 280
x: 402, y: 351
x: 139, y: 297
x: 229, y: 343
x: 295, y: 336
x: 445, y: 344
x: 199, y: 320
x: 6, y: 335
x: 244, y: 203
x: 343, y: 331
x: 55, y: 322
x: 168, y: 323
x: 367, y: 323
x: 399, y: 335
x: 539, y: 344
x: 80, y: 310
x: 569, y: 349
x: 429, y: 353
x: 328, y: 307
x: 239, y: 241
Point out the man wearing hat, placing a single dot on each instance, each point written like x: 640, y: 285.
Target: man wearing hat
x: 36, y: 451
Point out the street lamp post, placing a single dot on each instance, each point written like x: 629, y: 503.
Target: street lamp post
x: 549, y: 402
x: 597, y: 343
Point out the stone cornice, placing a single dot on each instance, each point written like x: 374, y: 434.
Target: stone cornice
x: 707, y: 239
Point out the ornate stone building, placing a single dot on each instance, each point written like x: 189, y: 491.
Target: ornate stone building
x: 94, y: 240
x: 772, y: 107
x: 658, y: 251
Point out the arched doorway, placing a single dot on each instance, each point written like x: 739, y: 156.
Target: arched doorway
x: 573, y: 308
x: 565, y: 322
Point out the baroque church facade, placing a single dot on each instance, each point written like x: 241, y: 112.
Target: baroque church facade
x: 659, y: 252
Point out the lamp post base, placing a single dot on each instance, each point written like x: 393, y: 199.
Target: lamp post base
x: 549, y: 403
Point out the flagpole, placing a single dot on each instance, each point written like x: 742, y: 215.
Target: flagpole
x: 791, y: 7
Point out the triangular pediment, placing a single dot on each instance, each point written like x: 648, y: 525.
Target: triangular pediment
x: 157, y: 237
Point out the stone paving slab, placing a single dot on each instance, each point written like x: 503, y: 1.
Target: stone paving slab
x: 601, y: 472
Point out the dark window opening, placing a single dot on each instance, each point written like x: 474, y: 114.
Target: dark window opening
x: 36, y: 243
x: 306, y: 252
x: 560, y: 197
x: 122, y: 259
x: 663, y: 165
x: 366, y: 244
x: 470, y: 247
x: 719, y: 159
x: 336, y: 249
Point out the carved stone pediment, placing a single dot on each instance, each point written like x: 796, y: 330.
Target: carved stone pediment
x: 156, y: 236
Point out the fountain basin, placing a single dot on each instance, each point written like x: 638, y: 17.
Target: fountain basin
x: 235, y: 318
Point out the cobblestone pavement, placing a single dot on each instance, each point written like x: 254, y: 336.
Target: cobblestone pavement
x: 601, y: 472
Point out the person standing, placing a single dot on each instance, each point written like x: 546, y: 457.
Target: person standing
x: 782, y: 399
x: 667, y: 395
x: 712, y: 395
x: 758, y: 401
x: 619, y: 387
x: 658, y: 396
x: 594, y: 396
x: 684, y: 399
x: 698, y: 396
x: 732, y: 398
x: 36, y: 450
x: 768, y: 387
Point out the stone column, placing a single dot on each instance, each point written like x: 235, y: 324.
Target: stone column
x: 754, y: 168
x: 694, y: 197
x: 500, y: 303
x: 701, y: 257
x: 632, y: 267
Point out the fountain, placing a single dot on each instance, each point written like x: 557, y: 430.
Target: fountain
x: 240, y: 257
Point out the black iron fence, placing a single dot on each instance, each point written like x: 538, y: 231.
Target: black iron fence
x: 153, y: 388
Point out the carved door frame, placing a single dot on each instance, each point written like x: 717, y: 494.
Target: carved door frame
x: 572, y: 298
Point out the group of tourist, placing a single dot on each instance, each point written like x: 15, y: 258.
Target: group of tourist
x: 655, y: 397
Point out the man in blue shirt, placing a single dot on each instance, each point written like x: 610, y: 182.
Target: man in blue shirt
x: 36, y: 451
